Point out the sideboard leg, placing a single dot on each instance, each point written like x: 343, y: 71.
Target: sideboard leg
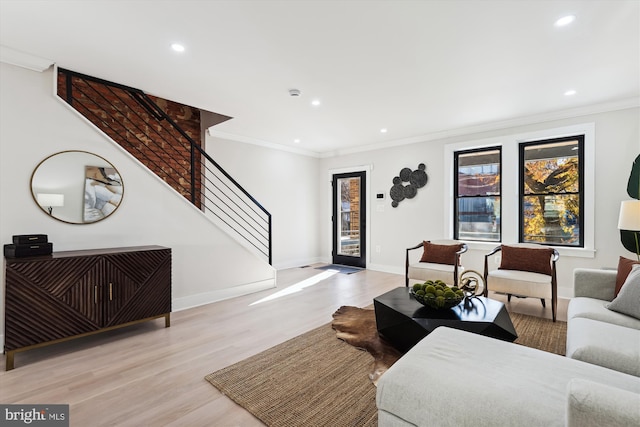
x: 167, y: 320
x: 9, y: 365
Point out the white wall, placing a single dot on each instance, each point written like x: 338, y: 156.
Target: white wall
x: 207, y: 264
x: 286, y: 184
x: 617, y: 143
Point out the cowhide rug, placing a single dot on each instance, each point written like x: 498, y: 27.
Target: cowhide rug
x: 357, y: 326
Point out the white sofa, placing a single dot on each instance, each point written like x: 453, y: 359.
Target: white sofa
x: 596, y: 334
x: 456, y: 378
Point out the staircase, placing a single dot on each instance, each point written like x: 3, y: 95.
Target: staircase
x: 165, y: 137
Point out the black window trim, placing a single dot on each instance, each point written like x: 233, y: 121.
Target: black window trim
x: 581, y: 190
x: 456, y: 155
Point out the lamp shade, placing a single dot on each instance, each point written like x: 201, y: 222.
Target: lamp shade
x: 629, y: 215
x: 50, y: 199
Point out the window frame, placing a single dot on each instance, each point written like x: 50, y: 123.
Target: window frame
x: 456, y: 197
x: 521, y: 187
x: 509, y: 140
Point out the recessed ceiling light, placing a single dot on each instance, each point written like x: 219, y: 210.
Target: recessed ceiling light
x: 297, y: 141
x: 177, y: 47
x: 570, y: 92
x: 383, y: 130
x: 565, y: 20
x: 315, y: 102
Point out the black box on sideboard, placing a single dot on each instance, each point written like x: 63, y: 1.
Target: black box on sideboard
x: 23, y: 239
x: 20, y: 251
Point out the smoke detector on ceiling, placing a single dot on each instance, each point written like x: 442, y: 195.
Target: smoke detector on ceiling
x: 294, y: 92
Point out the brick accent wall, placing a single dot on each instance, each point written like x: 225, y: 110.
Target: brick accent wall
x: 155, y: 143
x: 354, y: 199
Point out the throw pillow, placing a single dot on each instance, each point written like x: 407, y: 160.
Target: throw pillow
x: 526, y: 259
x: 439, y: 254
x: 628, y: 300
x: 624, y: 268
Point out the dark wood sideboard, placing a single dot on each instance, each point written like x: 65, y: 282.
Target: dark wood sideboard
x: 71, y: 294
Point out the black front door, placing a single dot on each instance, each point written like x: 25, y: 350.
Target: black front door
x: 349, y: 219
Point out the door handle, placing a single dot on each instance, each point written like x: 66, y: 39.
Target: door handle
x: 95, y: 294
x: 110, y: 291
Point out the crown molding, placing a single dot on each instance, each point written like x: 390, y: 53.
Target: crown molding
x: 23, y: 59
x: 621, y: 104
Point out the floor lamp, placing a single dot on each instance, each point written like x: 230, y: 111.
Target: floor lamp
x: 630, y: 220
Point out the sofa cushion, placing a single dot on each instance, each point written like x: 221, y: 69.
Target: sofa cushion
x: 485, y: 379
x: 594, y: 283
x: 424, y: 271
x: 439, y: 254
x: 519, y: 283
x: 628, y: 300
x: 591, y: 308
x: 386, y: 419
x: 591, y: 404
x: 624, y: 268
x: 526, y: 259
x: 604, y: 344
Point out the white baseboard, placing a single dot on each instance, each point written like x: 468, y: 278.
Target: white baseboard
x: 565, y: 293
x: 191, y: 301
x: 297, y: 263
x: 393, y: 269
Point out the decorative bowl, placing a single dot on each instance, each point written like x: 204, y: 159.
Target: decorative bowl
x: 444, y: 296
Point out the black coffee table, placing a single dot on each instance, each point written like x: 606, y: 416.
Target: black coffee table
x: 403, y: 321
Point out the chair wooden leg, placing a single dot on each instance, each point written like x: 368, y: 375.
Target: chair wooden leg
x: 544, y: 304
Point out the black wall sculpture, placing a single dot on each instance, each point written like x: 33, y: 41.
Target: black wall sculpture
x: 416, y: 179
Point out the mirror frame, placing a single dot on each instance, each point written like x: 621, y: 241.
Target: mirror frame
x: 81, y: 221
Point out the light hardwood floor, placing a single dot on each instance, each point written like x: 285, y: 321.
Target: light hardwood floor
x: 148, y: 375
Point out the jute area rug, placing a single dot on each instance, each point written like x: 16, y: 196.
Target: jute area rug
x: 316, y: 379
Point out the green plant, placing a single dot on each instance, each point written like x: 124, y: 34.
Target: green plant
x: 437, y: 294
x: 630, y: 239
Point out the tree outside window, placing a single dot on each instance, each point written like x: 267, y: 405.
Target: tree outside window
x: 551, y: 185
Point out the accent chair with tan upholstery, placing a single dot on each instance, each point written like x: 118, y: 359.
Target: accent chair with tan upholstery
x: 526, y: 270
x: 440, y: 260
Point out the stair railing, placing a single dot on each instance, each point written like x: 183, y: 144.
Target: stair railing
x: 135, y: 121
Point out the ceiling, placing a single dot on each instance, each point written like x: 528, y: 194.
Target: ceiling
x: 415, y: 68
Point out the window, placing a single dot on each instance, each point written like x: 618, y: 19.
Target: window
x: 551, y: 191
x: 510, y: 195
x: 477, y: 194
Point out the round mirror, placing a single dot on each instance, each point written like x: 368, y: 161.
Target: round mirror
x: 77, y: 187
